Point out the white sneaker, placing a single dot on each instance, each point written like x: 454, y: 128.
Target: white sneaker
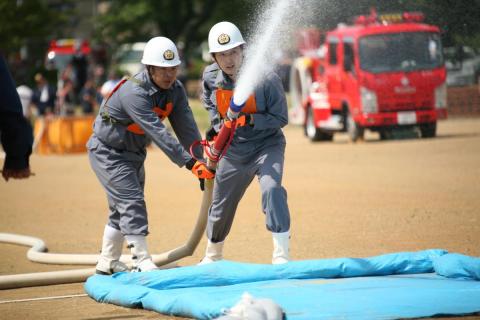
x: 206, y: 260
x: 145, y: 266
x: 214, y: 252
x: 108, y: 267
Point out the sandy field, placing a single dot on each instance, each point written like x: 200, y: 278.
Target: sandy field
x: 346, y: 200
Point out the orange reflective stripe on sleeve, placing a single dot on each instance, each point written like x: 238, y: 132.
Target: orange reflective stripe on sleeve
x: 223, y: 102
x: 162, y: 114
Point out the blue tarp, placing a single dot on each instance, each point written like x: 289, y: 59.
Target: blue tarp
x: 399, y: 285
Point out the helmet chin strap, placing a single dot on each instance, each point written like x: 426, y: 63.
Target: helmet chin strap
x: 149, y: 69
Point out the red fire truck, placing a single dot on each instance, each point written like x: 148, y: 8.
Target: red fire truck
x: 384, y: 72
x: 60, y: 52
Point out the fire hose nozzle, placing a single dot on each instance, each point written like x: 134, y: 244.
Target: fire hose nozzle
x: 224, y: 137
x: 234, y: 107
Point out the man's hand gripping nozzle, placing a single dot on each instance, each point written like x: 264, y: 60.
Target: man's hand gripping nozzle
x: 222, y: 141
x: 225, y: 135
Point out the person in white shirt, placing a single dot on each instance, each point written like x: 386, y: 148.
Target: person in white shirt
x: 25, y: 94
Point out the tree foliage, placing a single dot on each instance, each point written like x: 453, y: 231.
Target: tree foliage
x: 458, y: 19
x: 186, y: 21
x: 31, y: 23
x: 24, y: 23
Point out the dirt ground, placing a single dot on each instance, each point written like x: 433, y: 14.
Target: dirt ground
x: 346, y: 200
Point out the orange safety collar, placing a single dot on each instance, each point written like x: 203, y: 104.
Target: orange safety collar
x: 223, y: 102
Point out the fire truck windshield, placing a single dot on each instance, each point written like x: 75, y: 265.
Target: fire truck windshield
x: 59, y: 61
x: 407, y: 51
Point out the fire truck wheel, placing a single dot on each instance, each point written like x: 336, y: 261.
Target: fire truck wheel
x: 355, y: 131
x: 428, y: 130
x: 314, y: 133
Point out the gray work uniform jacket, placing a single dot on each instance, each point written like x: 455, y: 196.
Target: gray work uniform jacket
x: 133, y: 102
x: 270, y: 117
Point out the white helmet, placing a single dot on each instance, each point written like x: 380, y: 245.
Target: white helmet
x: 224, y: 36
x: 160, y: 52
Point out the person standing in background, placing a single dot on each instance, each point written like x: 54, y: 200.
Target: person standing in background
x: 44, y: 96
x: 114, y: 77
x: 15, y: 131
x: 89, y: 97
x: 66, y: 93
x: 79, y: 64
x: 25, y: 94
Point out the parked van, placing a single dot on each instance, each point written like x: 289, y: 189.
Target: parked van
x: 463, y: 66
x: 128, y: 57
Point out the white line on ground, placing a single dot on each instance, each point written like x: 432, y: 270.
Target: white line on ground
x: 44, y: 298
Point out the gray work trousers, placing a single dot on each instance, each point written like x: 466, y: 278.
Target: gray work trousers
x: 231, y: 181
x: 122, y: 175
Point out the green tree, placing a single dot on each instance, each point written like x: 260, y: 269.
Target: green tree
x: 458, y: 19
x: 24, y: 22
x: 26, y: 26
x: 186, y: 21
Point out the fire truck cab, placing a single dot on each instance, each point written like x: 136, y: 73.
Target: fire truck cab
x: 61, y: 51
x: 381, y: 73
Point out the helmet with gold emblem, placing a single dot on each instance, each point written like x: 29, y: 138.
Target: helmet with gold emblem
x: 160, y: 52
x: 224, y: 36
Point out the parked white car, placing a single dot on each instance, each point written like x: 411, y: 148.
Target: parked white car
x: 463, y: 66
x: 128, y: 57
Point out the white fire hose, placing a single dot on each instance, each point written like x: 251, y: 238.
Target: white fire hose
x: 37, y: 254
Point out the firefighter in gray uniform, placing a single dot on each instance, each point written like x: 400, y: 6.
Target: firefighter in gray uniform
x: 129, y: 118
x: 257, y: 148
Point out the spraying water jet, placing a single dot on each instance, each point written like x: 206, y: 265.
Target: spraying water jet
x: 271, y: 35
